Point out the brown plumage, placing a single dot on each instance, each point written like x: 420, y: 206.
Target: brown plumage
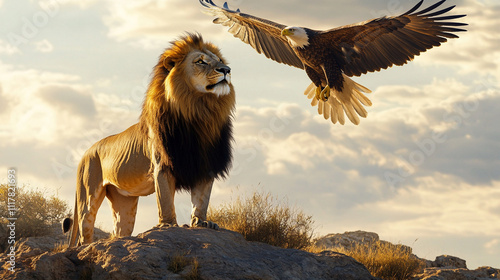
x: 329, y: 57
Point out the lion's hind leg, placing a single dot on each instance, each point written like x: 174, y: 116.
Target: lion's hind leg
x: 89, y: 196
x: 200, y: 197
x: 89, y: 214
x: 124, y: 210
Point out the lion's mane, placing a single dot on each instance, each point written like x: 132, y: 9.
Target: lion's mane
x: 190, y: 130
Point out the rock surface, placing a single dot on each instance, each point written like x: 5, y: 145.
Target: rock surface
x: 33, y: 246
x: 207, y: 254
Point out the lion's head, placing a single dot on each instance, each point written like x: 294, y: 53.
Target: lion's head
x: 200, y: 63
x: 193, y: 80
x: 191, y: 86
x: 206, y: 70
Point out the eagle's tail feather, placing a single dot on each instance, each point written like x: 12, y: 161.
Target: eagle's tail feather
x: 348, y: 103
x: 339, y: 113
x: 351, y: 114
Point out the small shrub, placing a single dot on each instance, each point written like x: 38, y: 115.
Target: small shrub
x: 36, y: 212
x: 384, y: 260
x: 262, y: 218
x: 179, y: 262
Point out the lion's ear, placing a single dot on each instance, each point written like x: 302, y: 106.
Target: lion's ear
x: 168, y: 63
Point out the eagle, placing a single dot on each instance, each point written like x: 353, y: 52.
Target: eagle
x: 331, y: 56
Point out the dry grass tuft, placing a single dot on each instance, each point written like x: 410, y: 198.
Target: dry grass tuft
x: 179, y: 262
x: 384, y: 260
x: 59, y: 247
x: 263, y: 218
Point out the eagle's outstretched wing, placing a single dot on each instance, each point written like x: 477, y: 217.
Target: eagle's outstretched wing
x: 380, y: 43
x: 263, y: 35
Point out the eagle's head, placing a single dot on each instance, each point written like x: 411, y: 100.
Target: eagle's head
x: 296, y: 36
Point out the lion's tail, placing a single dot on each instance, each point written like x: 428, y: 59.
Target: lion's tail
x: 71, y: 224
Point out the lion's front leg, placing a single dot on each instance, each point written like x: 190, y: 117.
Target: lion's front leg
x: 200, y: 197
x: 165, y: 191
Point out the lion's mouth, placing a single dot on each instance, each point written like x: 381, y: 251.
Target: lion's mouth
x: 222, y: 82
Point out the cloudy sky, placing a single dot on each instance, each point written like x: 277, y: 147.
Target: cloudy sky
x: 422, y: 169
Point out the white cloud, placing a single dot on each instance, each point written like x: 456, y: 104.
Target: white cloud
x: 492, y: 244
x: 6, y: 48
x: 438, y: 206
x: 4, y: 102
x: 44, y: 46
x: 55, y: 4
x: 152, y: 24
x: 66, y: 98
x: 42, y: 105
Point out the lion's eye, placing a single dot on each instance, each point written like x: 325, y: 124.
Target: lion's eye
x: 200, y: 61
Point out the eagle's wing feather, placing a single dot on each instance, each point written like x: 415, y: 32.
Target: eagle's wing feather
x: 380, y: 43
x: 263, y: 35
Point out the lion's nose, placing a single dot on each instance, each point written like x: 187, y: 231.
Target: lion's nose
x: 225, y: 70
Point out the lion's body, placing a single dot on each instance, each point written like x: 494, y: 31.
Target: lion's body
x: 182, y: 141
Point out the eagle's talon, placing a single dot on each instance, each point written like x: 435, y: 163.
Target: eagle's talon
x: 325, y: 93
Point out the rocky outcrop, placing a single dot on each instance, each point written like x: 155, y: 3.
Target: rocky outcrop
x: 176, y: 253
x: 349, y: 239
x: 447, y: 267
x: 436, y: 273
x: 446, y: 261
x: 444, y: 267
x: 346, y: 239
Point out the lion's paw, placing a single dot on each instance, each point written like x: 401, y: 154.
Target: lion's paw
x: 165, y: 225
x: 196, y: 222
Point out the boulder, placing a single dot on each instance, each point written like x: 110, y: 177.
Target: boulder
x: 349, y: 239
x: 346, y: 239
x: 447, y: 261
x: 177, y: 252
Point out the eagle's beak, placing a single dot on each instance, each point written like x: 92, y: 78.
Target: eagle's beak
x: 286, y: 32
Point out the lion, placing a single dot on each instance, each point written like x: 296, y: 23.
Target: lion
x: 181, y: 142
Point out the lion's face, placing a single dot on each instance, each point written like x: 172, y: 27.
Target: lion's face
x: 194, y: 81
x: 207, y: 72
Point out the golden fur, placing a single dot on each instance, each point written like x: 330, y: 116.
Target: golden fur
x: 182, y: 141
